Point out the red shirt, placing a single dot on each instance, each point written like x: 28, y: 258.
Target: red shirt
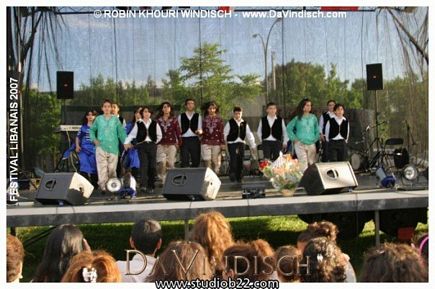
x: 171, y: 132
x: 213, y: 131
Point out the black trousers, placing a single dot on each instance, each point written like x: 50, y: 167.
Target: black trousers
x: 325, y: 157
x: 190, y: 150
x: 337, y: 151
x: 236, y: 152
x: 148, y: 162
x: 271, y: 149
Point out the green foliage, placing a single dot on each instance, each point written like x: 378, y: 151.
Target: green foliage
x: 43, y: 115
x: 210, y: 78
x: 124, y: 93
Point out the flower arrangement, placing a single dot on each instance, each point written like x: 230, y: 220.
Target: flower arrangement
x: 284, y: 173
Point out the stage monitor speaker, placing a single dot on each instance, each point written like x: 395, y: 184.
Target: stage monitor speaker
x: 328, y: 178
x: 64, y: 188
x: 374, y: 76
x: 65, y: 84
x: 191, y: 184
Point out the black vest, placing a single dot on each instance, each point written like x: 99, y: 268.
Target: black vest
x: 186, y: 123
x: 236, y: 131
x: 326, y: 117
x: 142, y: 131
x: 275, y: 130
x: 335, y: 129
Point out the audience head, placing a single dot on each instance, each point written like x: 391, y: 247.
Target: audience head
x: 182, y: 260
x: 15, y: 258
x: 394, y: 263
x: 146, y: 236
x: 244, y: 261
x: 264, y: 251
x: 423, y: 247
x: 62, y: 245
x: 326, y: 262
x: 91, y: 267
x: 287, y: 263
x: 213, y: 232
x: 317, y: 229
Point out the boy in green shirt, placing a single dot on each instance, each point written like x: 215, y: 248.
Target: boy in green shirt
x: 106, y: 132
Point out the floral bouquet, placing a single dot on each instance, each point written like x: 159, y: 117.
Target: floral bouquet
x: 284, y: 173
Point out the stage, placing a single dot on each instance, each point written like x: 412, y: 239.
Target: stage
x: 366, y: 197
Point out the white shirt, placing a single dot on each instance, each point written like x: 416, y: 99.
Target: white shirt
x: 189, y: 132
x: 322, y: 120
x: 133, y: 134
x: 339, y: 136
x: 271, y: 120
x: 249, y: 135
x: 136, y: 264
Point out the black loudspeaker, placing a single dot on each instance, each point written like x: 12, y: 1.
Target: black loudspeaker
x: 64, y: 188
x: 191, y: 184
x: 374, y: 76
x: 65, y: 84
x: 328, y: 178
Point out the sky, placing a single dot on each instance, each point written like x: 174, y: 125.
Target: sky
x: 130, y: 49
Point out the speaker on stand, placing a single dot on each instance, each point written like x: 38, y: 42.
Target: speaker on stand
x: 375, y: 82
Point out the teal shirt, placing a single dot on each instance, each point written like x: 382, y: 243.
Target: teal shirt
x: 307, y: 129
x: 109, y: 132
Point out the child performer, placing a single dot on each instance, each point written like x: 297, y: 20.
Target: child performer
x: 191, y: 128
x: 115, y: 112
x: 131, y: 160
x: 212, y: 142
x: 337, y: 135
x: 171, y: 139
x: 303, y: 130
x: 236, y: 131
x: 106, y: 132
x: 85, y: 148
x: 322, y: 123
x: 271, y: 131
x: 147, y: 134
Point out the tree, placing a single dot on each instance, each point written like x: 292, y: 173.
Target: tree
x: 174, y: 88
x: 210, y: 78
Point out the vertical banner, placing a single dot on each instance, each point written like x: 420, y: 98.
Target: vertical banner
x: 13, y: 139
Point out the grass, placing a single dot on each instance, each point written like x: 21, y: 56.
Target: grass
x: 278, y: 231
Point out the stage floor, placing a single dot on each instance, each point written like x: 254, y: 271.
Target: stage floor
x: 228, y: 191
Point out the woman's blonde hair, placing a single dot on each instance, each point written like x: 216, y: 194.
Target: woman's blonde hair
x: 213, y: 232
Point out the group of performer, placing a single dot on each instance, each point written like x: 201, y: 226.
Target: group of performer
x: 107, y: 145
